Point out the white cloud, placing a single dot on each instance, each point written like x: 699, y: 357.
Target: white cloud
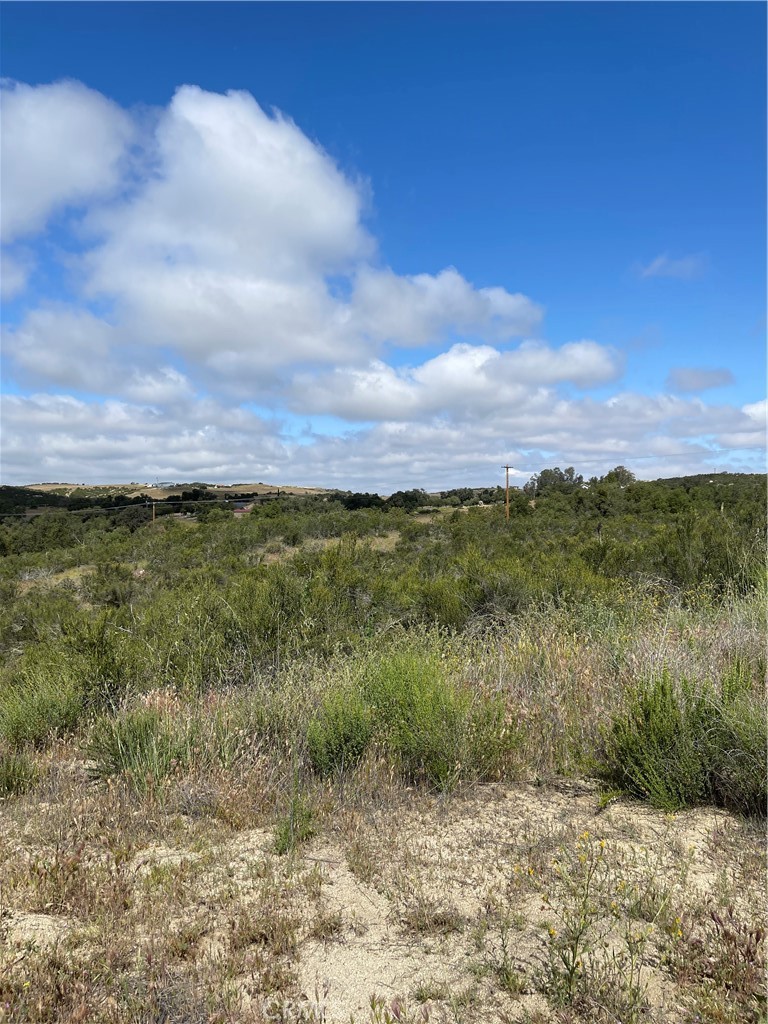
x: 233, y: 190
x: 229, y: 264
x: 242, y: 328
x: 465, y: 381
x: 61, y: 144
x: 224, y: 253
x: 228, y: 248
x: 439, y: 452
x: 59, y: 437
x: 582, y: 363
x: 757, y: 411
x: 685, y: 268
x: 165, y: 387
x: 423, y: 308
x: 62, y: 345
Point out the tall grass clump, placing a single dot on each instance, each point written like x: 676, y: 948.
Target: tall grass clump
x: 143, y: 744
x: 339, y: 733
x: 437, y: 729
x: 37, y: 704
x: 295, y: 827
x: 738, y: 774
x: 58, y: 683
x: 678, y: 744
x: 18, y: 772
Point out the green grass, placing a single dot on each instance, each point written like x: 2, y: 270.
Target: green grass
x: 738, y: 773
x: 143, y: 744
x: 18, y: 772
x: 437, y: 729
x: 408, y: 703
x: 339, y: 733
x: 295, y: 827
x: 678, y: 744
x: 37, y: 704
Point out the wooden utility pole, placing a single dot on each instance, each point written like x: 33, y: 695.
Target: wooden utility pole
x: 506, y: 500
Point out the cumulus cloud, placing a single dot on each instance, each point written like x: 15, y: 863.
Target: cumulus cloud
x: 62, y: 144
x: 66, y: 346
x: 756, y: 411
x: 685, y: 268
x: 227, y: 247
x: 225, y: 251
x: 753, y: 431
x: 73, y: 348
x: 467, y: 380
x: 420, y: 309
x: 691, y: 378
x: 165, y: 387
x: 59, y: 437
x: 234, y: 190
x: 221, y: 262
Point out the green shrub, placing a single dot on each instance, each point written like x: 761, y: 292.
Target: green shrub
x: 57, y: 682
x: 39, y: 704
x: 143, y: 744
x: 654, y: 748
x: 439, y: 731
x: 194, y: 639
x: 739, y: 756
x: 17, y: 772
x: 111, y: 584
x: 440, y: 601
x: 95, y: 652
x: 678, y: 745
x: 340, y: 731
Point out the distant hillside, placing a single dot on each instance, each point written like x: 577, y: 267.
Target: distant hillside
x: 704, y: 479
x: 72, y: 497
x: 16, y: 500
x: 717, y: 488
x: 161, y: 491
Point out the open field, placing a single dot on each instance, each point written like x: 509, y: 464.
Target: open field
x: 319, y: 764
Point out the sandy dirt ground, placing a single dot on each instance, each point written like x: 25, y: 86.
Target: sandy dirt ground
x: 441, y: 908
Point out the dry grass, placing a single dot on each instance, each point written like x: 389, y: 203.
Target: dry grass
x: 506, y: 902
x: 171, y: 896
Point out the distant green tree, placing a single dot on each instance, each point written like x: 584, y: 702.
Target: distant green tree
x: 213, y: 513
x: 620, y: 475
x: 133, y: 517
x: 562, y: 481
x: 359, y: 500
x: 408, y: 500
x: 48, y: 531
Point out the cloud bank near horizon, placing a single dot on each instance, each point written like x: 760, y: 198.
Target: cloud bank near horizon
x: 196, y: 295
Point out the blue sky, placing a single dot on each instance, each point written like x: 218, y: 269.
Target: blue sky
x: 474, y: 233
